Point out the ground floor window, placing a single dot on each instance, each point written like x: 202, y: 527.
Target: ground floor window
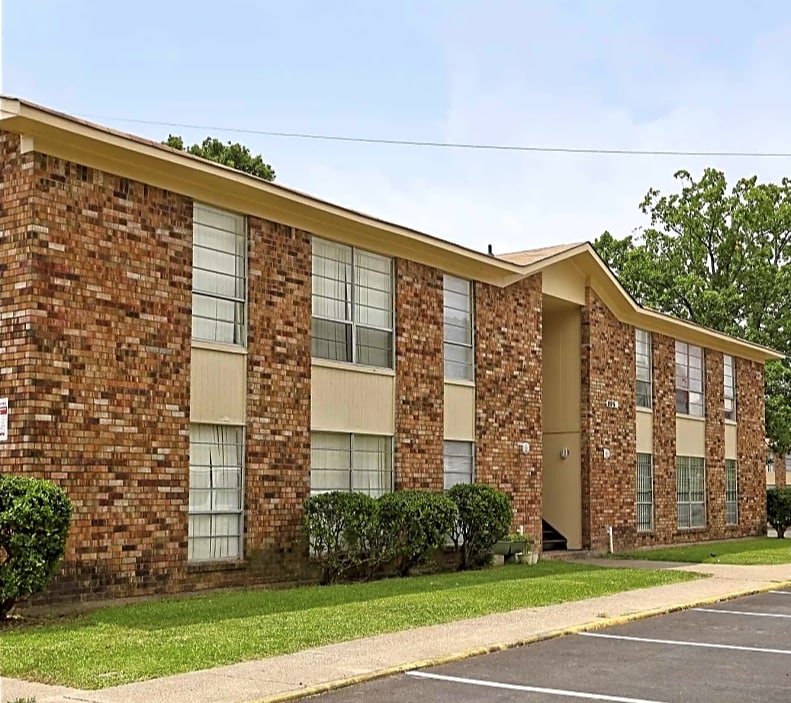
x: 216, y: 490
x: 691, y: 491
x: 645, y: 493
x: 459, y: 463
x: 351, y: 462
x: 731, y: 493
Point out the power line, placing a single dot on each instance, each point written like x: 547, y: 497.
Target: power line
x: 453, y: 145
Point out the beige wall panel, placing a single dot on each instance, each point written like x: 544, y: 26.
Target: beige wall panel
x: 352, y: 400
x: 460, y: 412
x: 770, y: 478
x: 730, y: 442
x: 218, y: 387
x: 645, y: 432
x: 562, y: 486
x: 690, y: 437
x: 561, y: 359
x: 564, y: 281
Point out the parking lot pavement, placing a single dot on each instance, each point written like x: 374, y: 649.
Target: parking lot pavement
x: 731, y: 652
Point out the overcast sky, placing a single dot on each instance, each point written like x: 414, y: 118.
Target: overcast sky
x: 670, y: 75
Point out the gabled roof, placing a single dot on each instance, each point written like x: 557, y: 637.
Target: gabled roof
x: 47, y: 131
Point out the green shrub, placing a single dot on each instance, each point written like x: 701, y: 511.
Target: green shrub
x: 778, y: 509
x: 345, y: 535
x: 34, y: 524
x: 415, y: 523
x: 485, y: 516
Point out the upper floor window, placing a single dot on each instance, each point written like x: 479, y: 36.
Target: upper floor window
x: 459, y: 363
x: 689, y: 380
x: 352, y: 305
x: 219, y: 275
x: 729, y: 379
x: 643, y: 368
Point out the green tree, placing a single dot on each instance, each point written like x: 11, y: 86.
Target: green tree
x: 721, y: 258
x: 233, y: 155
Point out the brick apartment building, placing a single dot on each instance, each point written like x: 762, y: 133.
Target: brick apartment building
x: 190, y: 351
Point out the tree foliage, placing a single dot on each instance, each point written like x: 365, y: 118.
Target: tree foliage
x: 228, y: 154
x: 721, y: 258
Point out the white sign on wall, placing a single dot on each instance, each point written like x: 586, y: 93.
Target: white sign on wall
x: 3, y: 419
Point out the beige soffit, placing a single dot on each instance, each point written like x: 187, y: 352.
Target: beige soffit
x: 66, y: 137
x: 604, y: 283
x: 63, y: 136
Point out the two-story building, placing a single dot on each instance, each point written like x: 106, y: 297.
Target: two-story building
x: 190, y: 352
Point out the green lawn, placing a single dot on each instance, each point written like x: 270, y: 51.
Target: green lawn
x: 759, y: 550
x: 156, y: 638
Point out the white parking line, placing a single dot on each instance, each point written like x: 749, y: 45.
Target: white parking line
x: 783, y: 593
x: 683, y: 643
x: 529, y: 689
x: 742, y: 612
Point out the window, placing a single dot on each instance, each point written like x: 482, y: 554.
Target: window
x: 691, y: 491
x: 219, y: 275
x: 459, y: 463
x: 645, y: 493
x: 351, y: 462
x: 731, y: 493
x: 729, y: 379
x: 216, y: 481
x: 643, y: 368
x: 689, y: 380
x: 352, y: 305
x: 459, y: 363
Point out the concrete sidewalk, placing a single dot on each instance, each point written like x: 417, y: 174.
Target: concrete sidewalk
x: 314, y: 670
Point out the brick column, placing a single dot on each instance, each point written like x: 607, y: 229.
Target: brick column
x: 664, y: 401
x: 420, y: 377
x: 715, y: 444
x: 780, y: 471
x: 751, y: 446
x: 508, y: 376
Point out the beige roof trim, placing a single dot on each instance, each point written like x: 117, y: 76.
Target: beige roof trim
x: 60, y: 135
x: 604, y: 283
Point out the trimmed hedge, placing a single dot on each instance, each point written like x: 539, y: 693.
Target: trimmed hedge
x: 485, y: 516
x: 778, y: 509
x: 34, y: 524
x: 416, y: 523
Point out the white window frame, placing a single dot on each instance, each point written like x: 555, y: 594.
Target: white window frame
x: 729, y: 386
x: 350, y: 304
x: 458, y: 460
x: 690, y: 372
x: 454, y: 369
x: 691, y: 492
x: 731, y: 492
x: 220, y: 545
x: 211, y: 282
x: 347, y: 460
x: 643, y: 370
x: 645, y: 493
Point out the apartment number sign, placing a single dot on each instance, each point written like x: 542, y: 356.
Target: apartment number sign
x: 3, y: 419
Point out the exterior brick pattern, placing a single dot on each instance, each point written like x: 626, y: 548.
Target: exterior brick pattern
x: 17, y: 305
x: 751, y: 447
x: 664, y: 409
x: 278, y: 397
x: 608, y: 484
x: 780, y: 471
x: 420, y: 377
x: 508, y: 376
x: 715, y: 443
x: 110, y: 280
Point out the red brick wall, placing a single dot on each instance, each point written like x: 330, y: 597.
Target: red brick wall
x: 508, y: 377
x: 608, y: 484
x: 664, y: 402
x: 419, y: 377
x: 278, y: 401
x: 751, y: 447
x: 780, y: 471
x: 17, y: 303
x: 715, y: 443
x: 110, y: 264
